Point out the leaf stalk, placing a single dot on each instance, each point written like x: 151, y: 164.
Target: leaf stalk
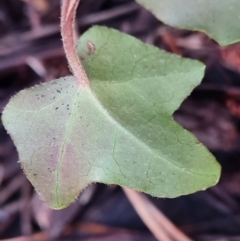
x: 68, y: 15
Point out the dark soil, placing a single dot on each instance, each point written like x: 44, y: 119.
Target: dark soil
x: 31, y: 52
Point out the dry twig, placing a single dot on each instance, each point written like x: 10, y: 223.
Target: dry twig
x: 160, y: 226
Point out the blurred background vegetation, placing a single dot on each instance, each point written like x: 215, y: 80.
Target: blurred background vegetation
x: 31, y: 52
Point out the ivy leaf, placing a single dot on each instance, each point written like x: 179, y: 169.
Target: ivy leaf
x: 219, y: 19
x: 119, y: 130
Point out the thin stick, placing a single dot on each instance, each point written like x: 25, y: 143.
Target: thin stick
x: 141, y: 208
x: 68, y: 16
x: 153, y: 218
x: 168, y: 226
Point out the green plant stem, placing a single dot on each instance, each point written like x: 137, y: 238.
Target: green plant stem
x: 68, y: 15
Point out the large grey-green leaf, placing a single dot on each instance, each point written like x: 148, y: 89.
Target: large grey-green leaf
x: 218, y: 18
x: 119, y: 131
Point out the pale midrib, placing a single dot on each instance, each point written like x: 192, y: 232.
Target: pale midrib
x: 145, y: 78
x: 104, y: 110
x: 63, y: 148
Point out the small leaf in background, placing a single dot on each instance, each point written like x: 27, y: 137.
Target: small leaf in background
x: 117, y: 131
x: 219, y: 19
